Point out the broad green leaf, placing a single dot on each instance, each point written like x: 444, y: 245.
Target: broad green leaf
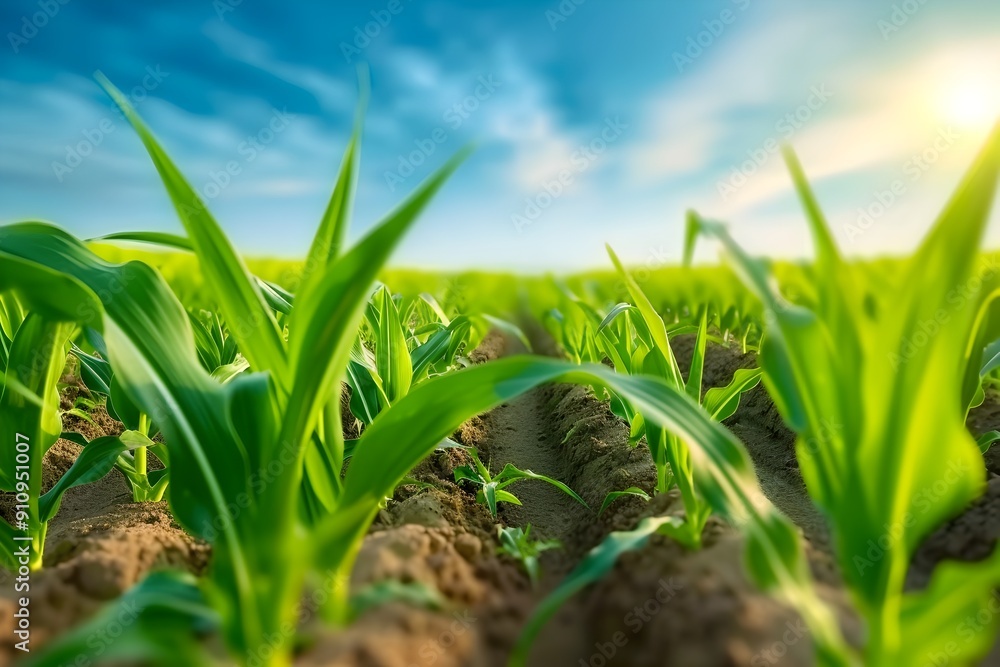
x: 986, y: 440
x: 160, y: 622
x: 94, y: 462
x: 722, y: 402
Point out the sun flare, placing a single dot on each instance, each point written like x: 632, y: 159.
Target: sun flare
x: 972, y: 102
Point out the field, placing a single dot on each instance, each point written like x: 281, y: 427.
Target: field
x: 211, y: 459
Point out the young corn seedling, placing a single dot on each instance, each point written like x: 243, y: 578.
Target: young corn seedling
x: 409, y: 349
x: 403, y: 355
x: 30, y: 424
x: 876, y: 383
x: 517, y: 543
x: 636, y: 340
x: 492, y: 489
x: 147, y: 485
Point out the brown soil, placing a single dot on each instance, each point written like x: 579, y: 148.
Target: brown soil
x: 706, y: 612
x: 98, y: 545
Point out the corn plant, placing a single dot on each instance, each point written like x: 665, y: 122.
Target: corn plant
x: 492, y: 489
x: 147, y: 485
x: 402, y: 350
x: 30, y: 424
x: 517, y: 543
x: 637, y: 341
x: 218, y: 355
x: 401, y: 346
x: 876, y: 383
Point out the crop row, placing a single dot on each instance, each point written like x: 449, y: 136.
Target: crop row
x: 893, y: 355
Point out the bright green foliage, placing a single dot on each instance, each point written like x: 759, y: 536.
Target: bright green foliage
x: 243, y: 449
x: 874, y: 379
x: 403, y: 345
x: 147, y: 485
x: 572, y: 325
x: 407, y: 349
x: 516, y: 542
x: 261, y: 456
x: 29, y: 425
x: 637, y: 341
x: 493, y: 488
x: 159, y: 617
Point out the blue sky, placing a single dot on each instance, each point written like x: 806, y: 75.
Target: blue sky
x: 595, y: 122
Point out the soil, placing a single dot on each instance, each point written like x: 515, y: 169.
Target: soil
x: 660, y: 605
x: 98, y: 545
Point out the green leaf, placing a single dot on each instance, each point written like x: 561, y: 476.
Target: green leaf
x: 324, y: 323
x: 594, y: 566
x: 615, y: 495
x: 94, y: 371
x: 697, y: 369
x: 722, y: 402
x: 413, y: 593
x: 276, y: 297
x: 510, y: 329
x: 328, y: 241
x: 392, y: 358
x: 489, y: 492
x: 94, y: 462
x: 984, y: 441
x: 162, y: 621
x: 653, y: 322
x: 233, y: 286
x: 511, y: 474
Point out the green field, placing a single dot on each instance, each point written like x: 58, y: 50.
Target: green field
x: 333, y: 462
